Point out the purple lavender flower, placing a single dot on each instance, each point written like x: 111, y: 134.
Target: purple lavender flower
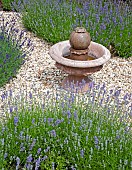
x: 114, y: 20
x: 15, y: 121
x: 29, y: 158
x: 5, y: 155
x: 45, y: 157
x: 93, y: 98
x: 22, y: 148
x: 75, y: 115
x: 72, y: 98
x: 30, y: 95
x: 91, y: 85
x: 126, y: 96
x: 38, y: 151
x: 117, y: 93
x: 50, y: 120
x: 97, y: 17
x: 11, y: 109
x: 32, y: 145
x: 78, y: 10
x: 44, y: 120
x: 102, y: 26
x: 3, y: 97
x: 3, y: 129
x: 118, y: 137
x: 29, y: 43
x: 37, y: 165
x: 101, y: 101
x: 47, y: 92
x: 33, y: 120
x: 58, y: 121
x: 53, y: 165
x: 57, y: 96
x: 27, y: 137
x: 21, y: 34
x: 72, y: 168
x: 17, y: 163
x: 68, y: 114
x: 10, y: 91
x: 47, y: 149
x: 86, y: 138
x: 21, y: 135
x: 127, y: 128
x: 103, y: 87
x: 53, y: 133
x: 15, y: 108
x: 108, y: 98
x: 29, y: 166
x: 111, y: 91
x: 96, y: 141
x: 82, y: 153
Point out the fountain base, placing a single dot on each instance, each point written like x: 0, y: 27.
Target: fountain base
x: 78, y: 78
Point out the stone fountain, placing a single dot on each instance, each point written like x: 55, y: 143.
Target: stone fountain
x: 79, y: 57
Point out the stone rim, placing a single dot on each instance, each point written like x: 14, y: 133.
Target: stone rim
x: 57, y: 55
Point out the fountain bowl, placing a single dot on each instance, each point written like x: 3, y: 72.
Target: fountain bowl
x: 60, y: 52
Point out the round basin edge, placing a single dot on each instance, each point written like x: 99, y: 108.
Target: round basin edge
x: 56, y: 52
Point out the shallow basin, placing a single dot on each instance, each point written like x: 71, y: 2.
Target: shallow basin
x: 77, y: 70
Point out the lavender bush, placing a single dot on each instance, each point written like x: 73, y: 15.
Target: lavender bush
x: 8, y: 4
x: 67, y: 131
x: 109, y: 23
x: 11, y: 54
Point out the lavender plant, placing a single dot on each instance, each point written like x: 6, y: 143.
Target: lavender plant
x: 11, y: 54
x: 109, y: 23
x: 63, y: 133
x: 8, y: 4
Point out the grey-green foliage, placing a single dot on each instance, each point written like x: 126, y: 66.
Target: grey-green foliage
x: 67, y: 133
x: 8, y: 4
x: 12, y: 56
x: 108, y: 23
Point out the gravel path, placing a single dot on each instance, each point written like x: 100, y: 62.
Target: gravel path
x: 39, y: 73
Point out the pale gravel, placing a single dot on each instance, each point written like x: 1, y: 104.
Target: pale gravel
x: 39, y: 74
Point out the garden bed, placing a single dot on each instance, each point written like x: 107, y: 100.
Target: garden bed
x: 39, y: 72
x: 94, y: 127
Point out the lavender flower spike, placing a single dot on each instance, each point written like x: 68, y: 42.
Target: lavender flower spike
x: 37, y: 165
x: 18, y: 163
x: 82, y: 153
x: 96, y: 141
x: 29, y: 158
x: 39, y: 150
x: 15, y: 121
x: 53, y: 133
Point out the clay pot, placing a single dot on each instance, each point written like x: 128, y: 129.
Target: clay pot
x: 80, y: 39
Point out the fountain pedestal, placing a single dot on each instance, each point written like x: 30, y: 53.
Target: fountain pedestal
x: 79, y: 78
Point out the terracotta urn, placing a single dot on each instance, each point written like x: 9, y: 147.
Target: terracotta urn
x: 80, y: 39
